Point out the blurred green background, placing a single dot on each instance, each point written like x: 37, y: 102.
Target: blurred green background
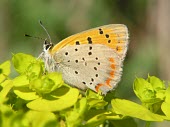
x: 147, y: 21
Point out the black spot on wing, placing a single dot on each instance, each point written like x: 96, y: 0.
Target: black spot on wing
x: 89, y: 40
x: 77, y: 43
x: 107, y: 35
x: 100, y: 31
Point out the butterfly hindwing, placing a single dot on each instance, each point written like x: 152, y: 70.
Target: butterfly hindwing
x: 97, y: 66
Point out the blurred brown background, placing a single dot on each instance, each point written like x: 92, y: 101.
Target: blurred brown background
x: 147, y: 20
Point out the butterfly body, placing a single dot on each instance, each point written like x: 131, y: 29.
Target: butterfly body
x: 91, y: 59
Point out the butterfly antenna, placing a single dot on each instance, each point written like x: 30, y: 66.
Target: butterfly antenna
x: 45, y: 30
x: 27, y: 35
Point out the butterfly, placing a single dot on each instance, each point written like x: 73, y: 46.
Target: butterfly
x: 90, y: 59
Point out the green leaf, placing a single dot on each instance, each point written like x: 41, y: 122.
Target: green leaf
x: 4, y: 70
x: 39, y: 119
x: 167, y: 95
x: 20, y: 81
x: 166, y: 105
x: 128, y: 108
x: 113, y: 116
x: 42, y: 85
x: 75, y: 117
x: 140, y: 86
x: 47, y: 83
x: 22, y: 61
x: 157, y: 84
x: 151, y: 92
x: 25, y: 93
x: 144, y: 91
x: 21, y: 88
x: 7, y: 86
x: 166, y: 109
x: 92, y: 94
x: 96, y: 103
x: 64, y: 101
x: 95, y: 100
x: 34, y: 70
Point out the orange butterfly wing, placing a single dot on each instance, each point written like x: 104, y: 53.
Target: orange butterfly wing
x: 114, y: 36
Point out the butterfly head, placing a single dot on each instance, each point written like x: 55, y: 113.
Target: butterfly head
x: 46, y: 56
x: 47, y: 46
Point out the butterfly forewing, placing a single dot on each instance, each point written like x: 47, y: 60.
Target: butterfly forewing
x: 114, y: 35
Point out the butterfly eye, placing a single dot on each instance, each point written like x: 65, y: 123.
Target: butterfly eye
x: 47, y: 46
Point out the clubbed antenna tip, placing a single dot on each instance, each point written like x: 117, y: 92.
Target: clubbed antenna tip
x: 26, y: 35
x: 40, y: 22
